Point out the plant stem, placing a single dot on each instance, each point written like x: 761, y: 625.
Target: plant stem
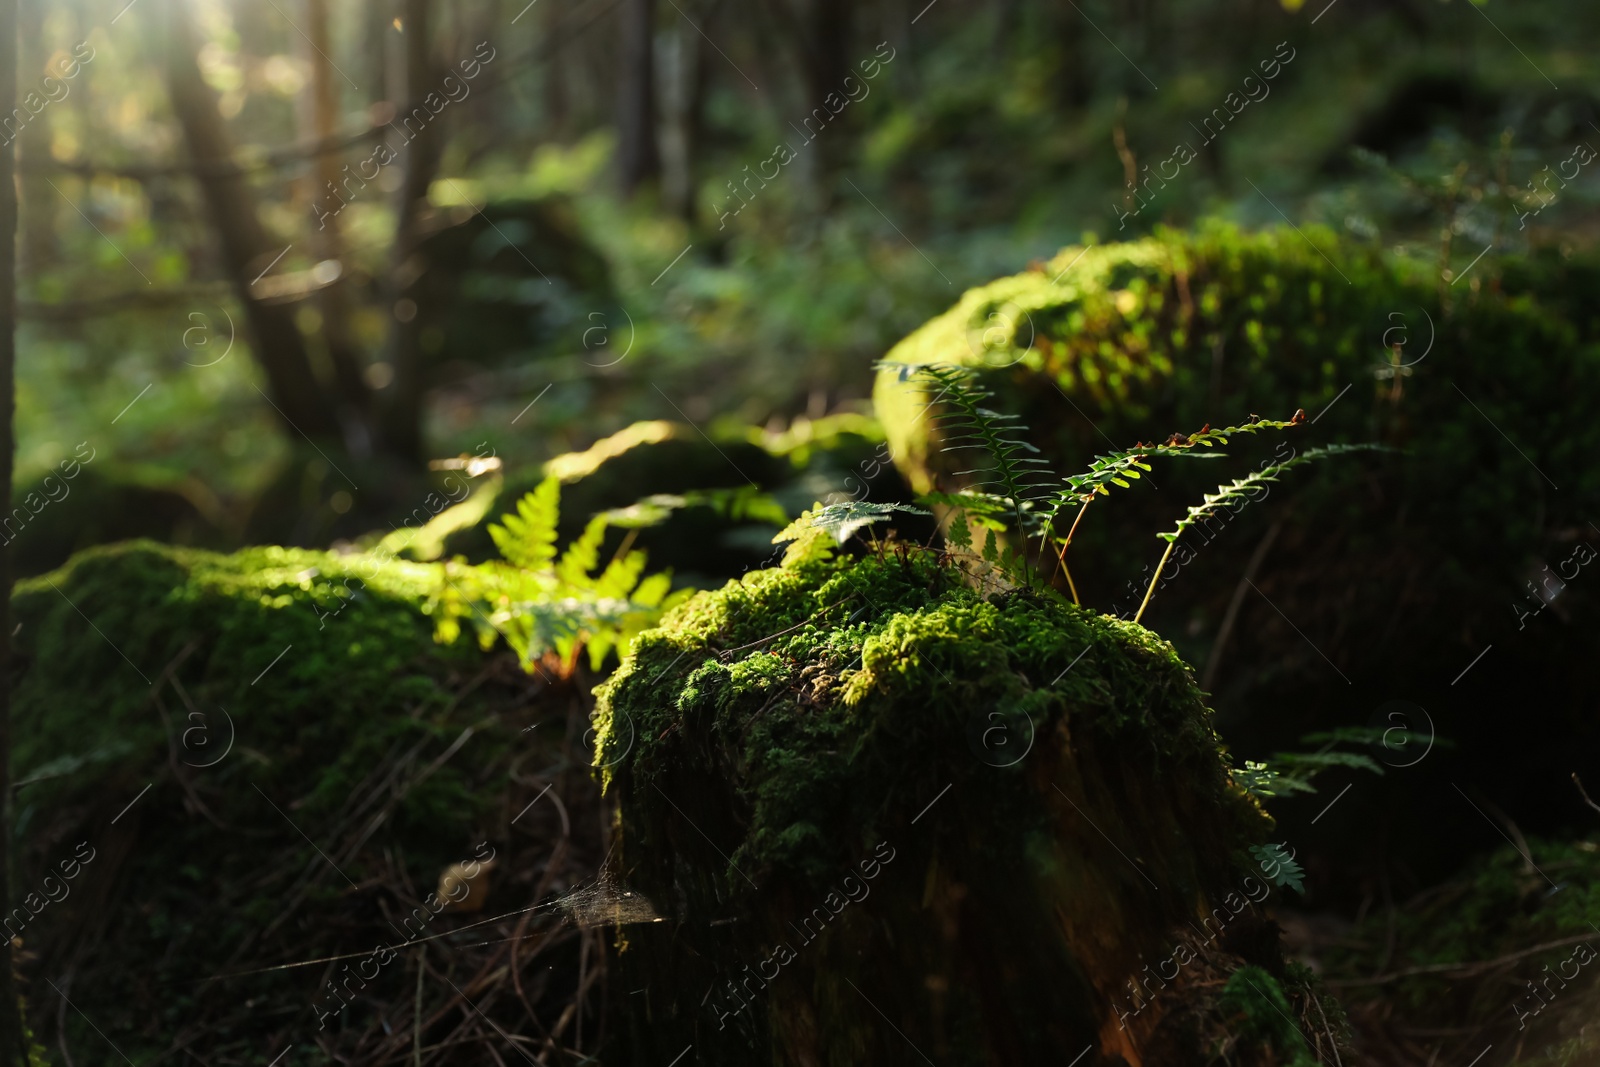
x: 1148, y: 593
x: 1070, y: 584
x: 1061, y: 557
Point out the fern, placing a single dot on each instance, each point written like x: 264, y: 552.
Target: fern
x: 1117, y: 468
x: 1239, y: 488
x: 538, y: 602
x: 1292, y: 772
x: 1284, y: 870
x: 815, y: 531
x: 1015, y: 474
x: 528, y: 538
x: 1262, y: 780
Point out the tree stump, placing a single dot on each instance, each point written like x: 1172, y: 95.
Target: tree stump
x: 883, y: 818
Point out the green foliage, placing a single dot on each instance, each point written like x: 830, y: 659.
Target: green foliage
x: 1117, y: 467
x: 1261, y: 1012
x: 815, y: 531
x: 1241, y: 490
x: 527, y: 539
x: 1015, y: 473
x: 1292, y: 772
x: 1018, y: 485
x: 540, y: 603
x: 1262, y: 780
x: 1285, y: 870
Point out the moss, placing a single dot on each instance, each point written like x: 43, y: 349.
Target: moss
x: 1176, y: 330
x: 818, y: 683
x: 1260, y: 1013
x: 227, y: 685
x: 1139, y: 339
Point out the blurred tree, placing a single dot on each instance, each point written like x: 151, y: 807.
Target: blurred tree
x: 319, y: 116
x: 417, y: 150
x: 247, y: 249
x: 638, y: 158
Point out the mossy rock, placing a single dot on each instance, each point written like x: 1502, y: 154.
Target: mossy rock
x: 187, y: 716
x: 701, y: 544
x: 55, y: 516
x: 1036, y: 789
x: 1377, y: 578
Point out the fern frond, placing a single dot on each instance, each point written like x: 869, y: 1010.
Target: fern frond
x: 841, y: 520
x: 1261, y: 780
x: 1121, y: 467
x: 1015, y: 471
x: 528, y: 538
x: 583, y: 555
x: 1242, y: 488
x: 1279, y: 866
x: 539, y: 603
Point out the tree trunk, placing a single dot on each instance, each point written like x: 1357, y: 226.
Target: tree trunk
x: 319, y: 117
x: 38, y: 222
x: 416, y: 142
x: 247, y: 249
x: 13, y: 1043
x: 638, y: 159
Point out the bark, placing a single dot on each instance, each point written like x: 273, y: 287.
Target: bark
x: 416, y: 143
x: 38, y: 222
x: 319, y: 116
x: 816, y: 35
x: 247, y: 248
x: 13, y: 1044
x: 638, y: 157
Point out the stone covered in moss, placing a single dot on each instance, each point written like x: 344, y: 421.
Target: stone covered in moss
x: 1046, y: 778
x: 1375, y: 577
x: 701, y: 543
x: 187, y: 716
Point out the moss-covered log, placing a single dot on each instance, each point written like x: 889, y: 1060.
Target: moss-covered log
x: 883, y: 819
x: 230, y: 765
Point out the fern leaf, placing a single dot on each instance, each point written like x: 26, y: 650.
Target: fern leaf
x: 583, y: 555
x: 528, y: 538
x: 842, y: 520
x: 1240, y: 489
x: 1261, y: 780
x: 1014, y: 471
x: 960, y: 534
x: 1280, y: 867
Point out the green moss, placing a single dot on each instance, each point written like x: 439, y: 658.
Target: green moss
x: 822, y: 685
x: 230, y: 684
x: 1180, y: 329
x: 1260, y: 1013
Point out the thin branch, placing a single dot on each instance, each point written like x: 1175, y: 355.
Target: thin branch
x: 1583, y: 792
